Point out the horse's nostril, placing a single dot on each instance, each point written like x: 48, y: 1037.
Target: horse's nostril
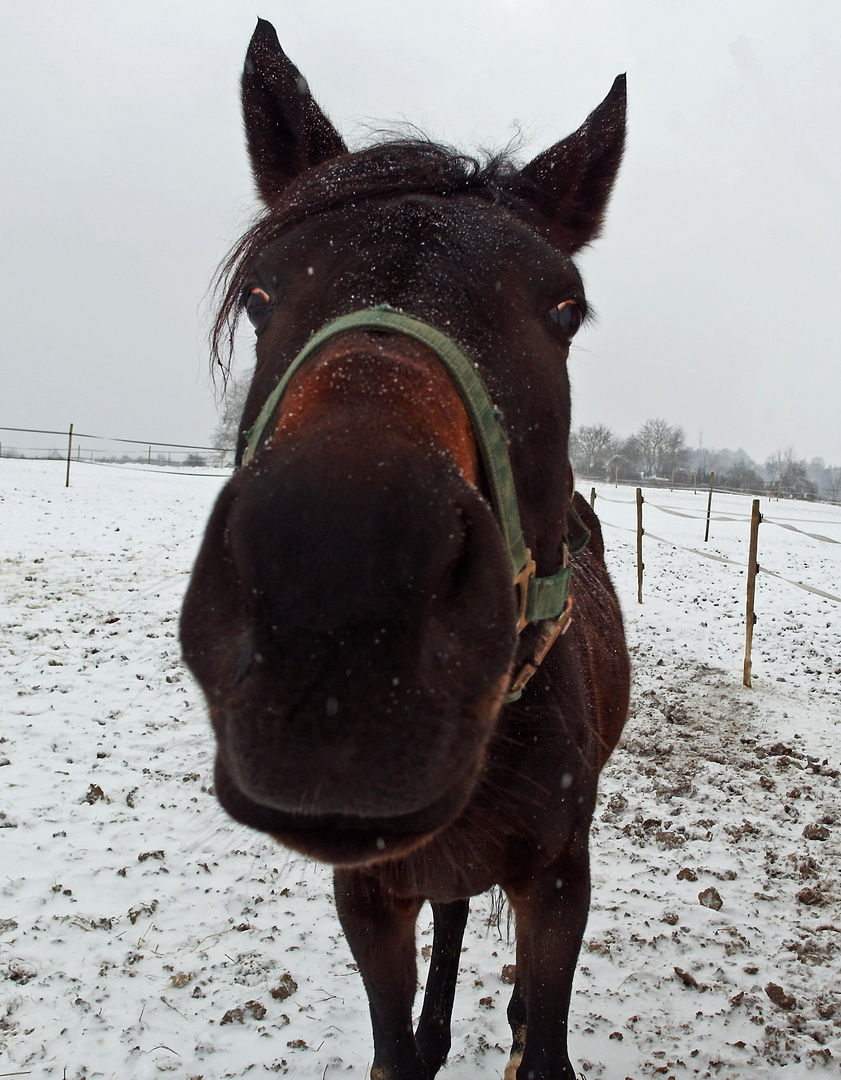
x: 457, y: 571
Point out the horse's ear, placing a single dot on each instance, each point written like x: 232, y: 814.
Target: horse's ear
x: 577, y: 174
x: 286, y: 131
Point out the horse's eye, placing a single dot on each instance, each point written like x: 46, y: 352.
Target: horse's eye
x: 568, y: 316
x: 257, y: 307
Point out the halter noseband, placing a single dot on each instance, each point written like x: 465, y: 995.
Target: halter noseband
x: 542, y: 600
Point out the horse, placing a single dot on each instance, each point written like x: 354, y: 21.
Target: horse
x: 400, y: 615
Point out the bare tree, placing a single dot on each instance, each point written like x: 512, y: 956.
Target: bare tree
x: 230, y: 413
x: 741, y: 476
x: 788, y: 474
x: 628, y: 459
x: 661, y: 446
x: 591, y: 448
x: 676, y: 451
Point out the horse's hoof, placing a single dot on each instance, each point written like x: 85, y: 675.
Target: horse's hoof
x: 512, y: 1066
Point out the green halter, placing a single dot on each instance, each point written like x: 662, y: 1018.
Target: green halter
x: 540, y: 599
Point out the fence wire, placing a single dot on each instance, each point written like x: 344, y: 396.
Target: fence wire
x: 721, y: 558
x: 781, y: 523
x: 108, y: 438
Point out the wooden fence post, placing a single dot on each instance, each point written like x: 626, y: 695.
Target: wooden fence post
x: 709, y: 507
x: 753, y: 567
x: 69, y: 452
x: 640, y: 532
x: 592, y: 497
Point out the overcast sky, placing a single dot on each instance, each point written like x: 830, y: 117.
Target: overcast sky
x: 717, y: 280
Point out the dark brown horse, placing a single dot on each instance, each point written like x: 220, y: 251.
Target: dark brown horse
x: 376, y: 615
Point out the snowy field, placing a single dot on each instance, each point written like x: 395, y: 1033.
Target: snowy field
x: 145, y: 934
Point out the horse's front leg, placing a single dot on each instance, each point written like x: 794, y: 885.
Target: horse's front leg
x: 380, y: 929
x: 551, y: 914
x: 433, y: 1034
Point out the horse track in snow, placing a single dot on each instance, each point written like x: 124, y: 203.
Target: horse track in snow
x: 144, y: 934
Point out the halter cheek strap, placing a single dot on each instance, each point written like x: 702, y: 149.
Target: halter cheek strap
x: 543, y: 600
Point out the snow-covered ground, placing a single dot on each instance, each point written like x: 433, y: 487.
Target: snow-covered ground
x: 143, y: 933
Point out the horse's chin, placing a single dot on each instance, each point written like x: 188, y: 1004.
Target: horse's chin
x: 348, y: 849
x: 345, y: 839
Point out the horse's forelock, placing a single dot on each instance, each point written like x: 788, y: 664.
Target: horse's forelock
x: 387, y: 169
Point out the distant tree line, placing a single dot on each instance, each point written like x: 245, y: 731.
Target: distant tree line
x: 105, y: 458
x: 659, y: 450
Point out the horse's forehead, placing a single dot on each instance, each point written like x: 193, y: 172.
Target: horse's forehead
x: 462, y: 229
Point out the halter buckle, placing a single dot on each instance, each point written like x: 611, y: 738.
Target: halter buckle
x: 550, y: 631
x: 521, y: 584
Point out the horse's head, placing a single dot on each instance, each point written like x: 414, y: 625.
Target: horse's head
x: 352, y: 617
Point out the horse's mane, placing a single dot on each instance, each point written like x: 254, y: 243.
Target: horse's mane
x: 393, y: 167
